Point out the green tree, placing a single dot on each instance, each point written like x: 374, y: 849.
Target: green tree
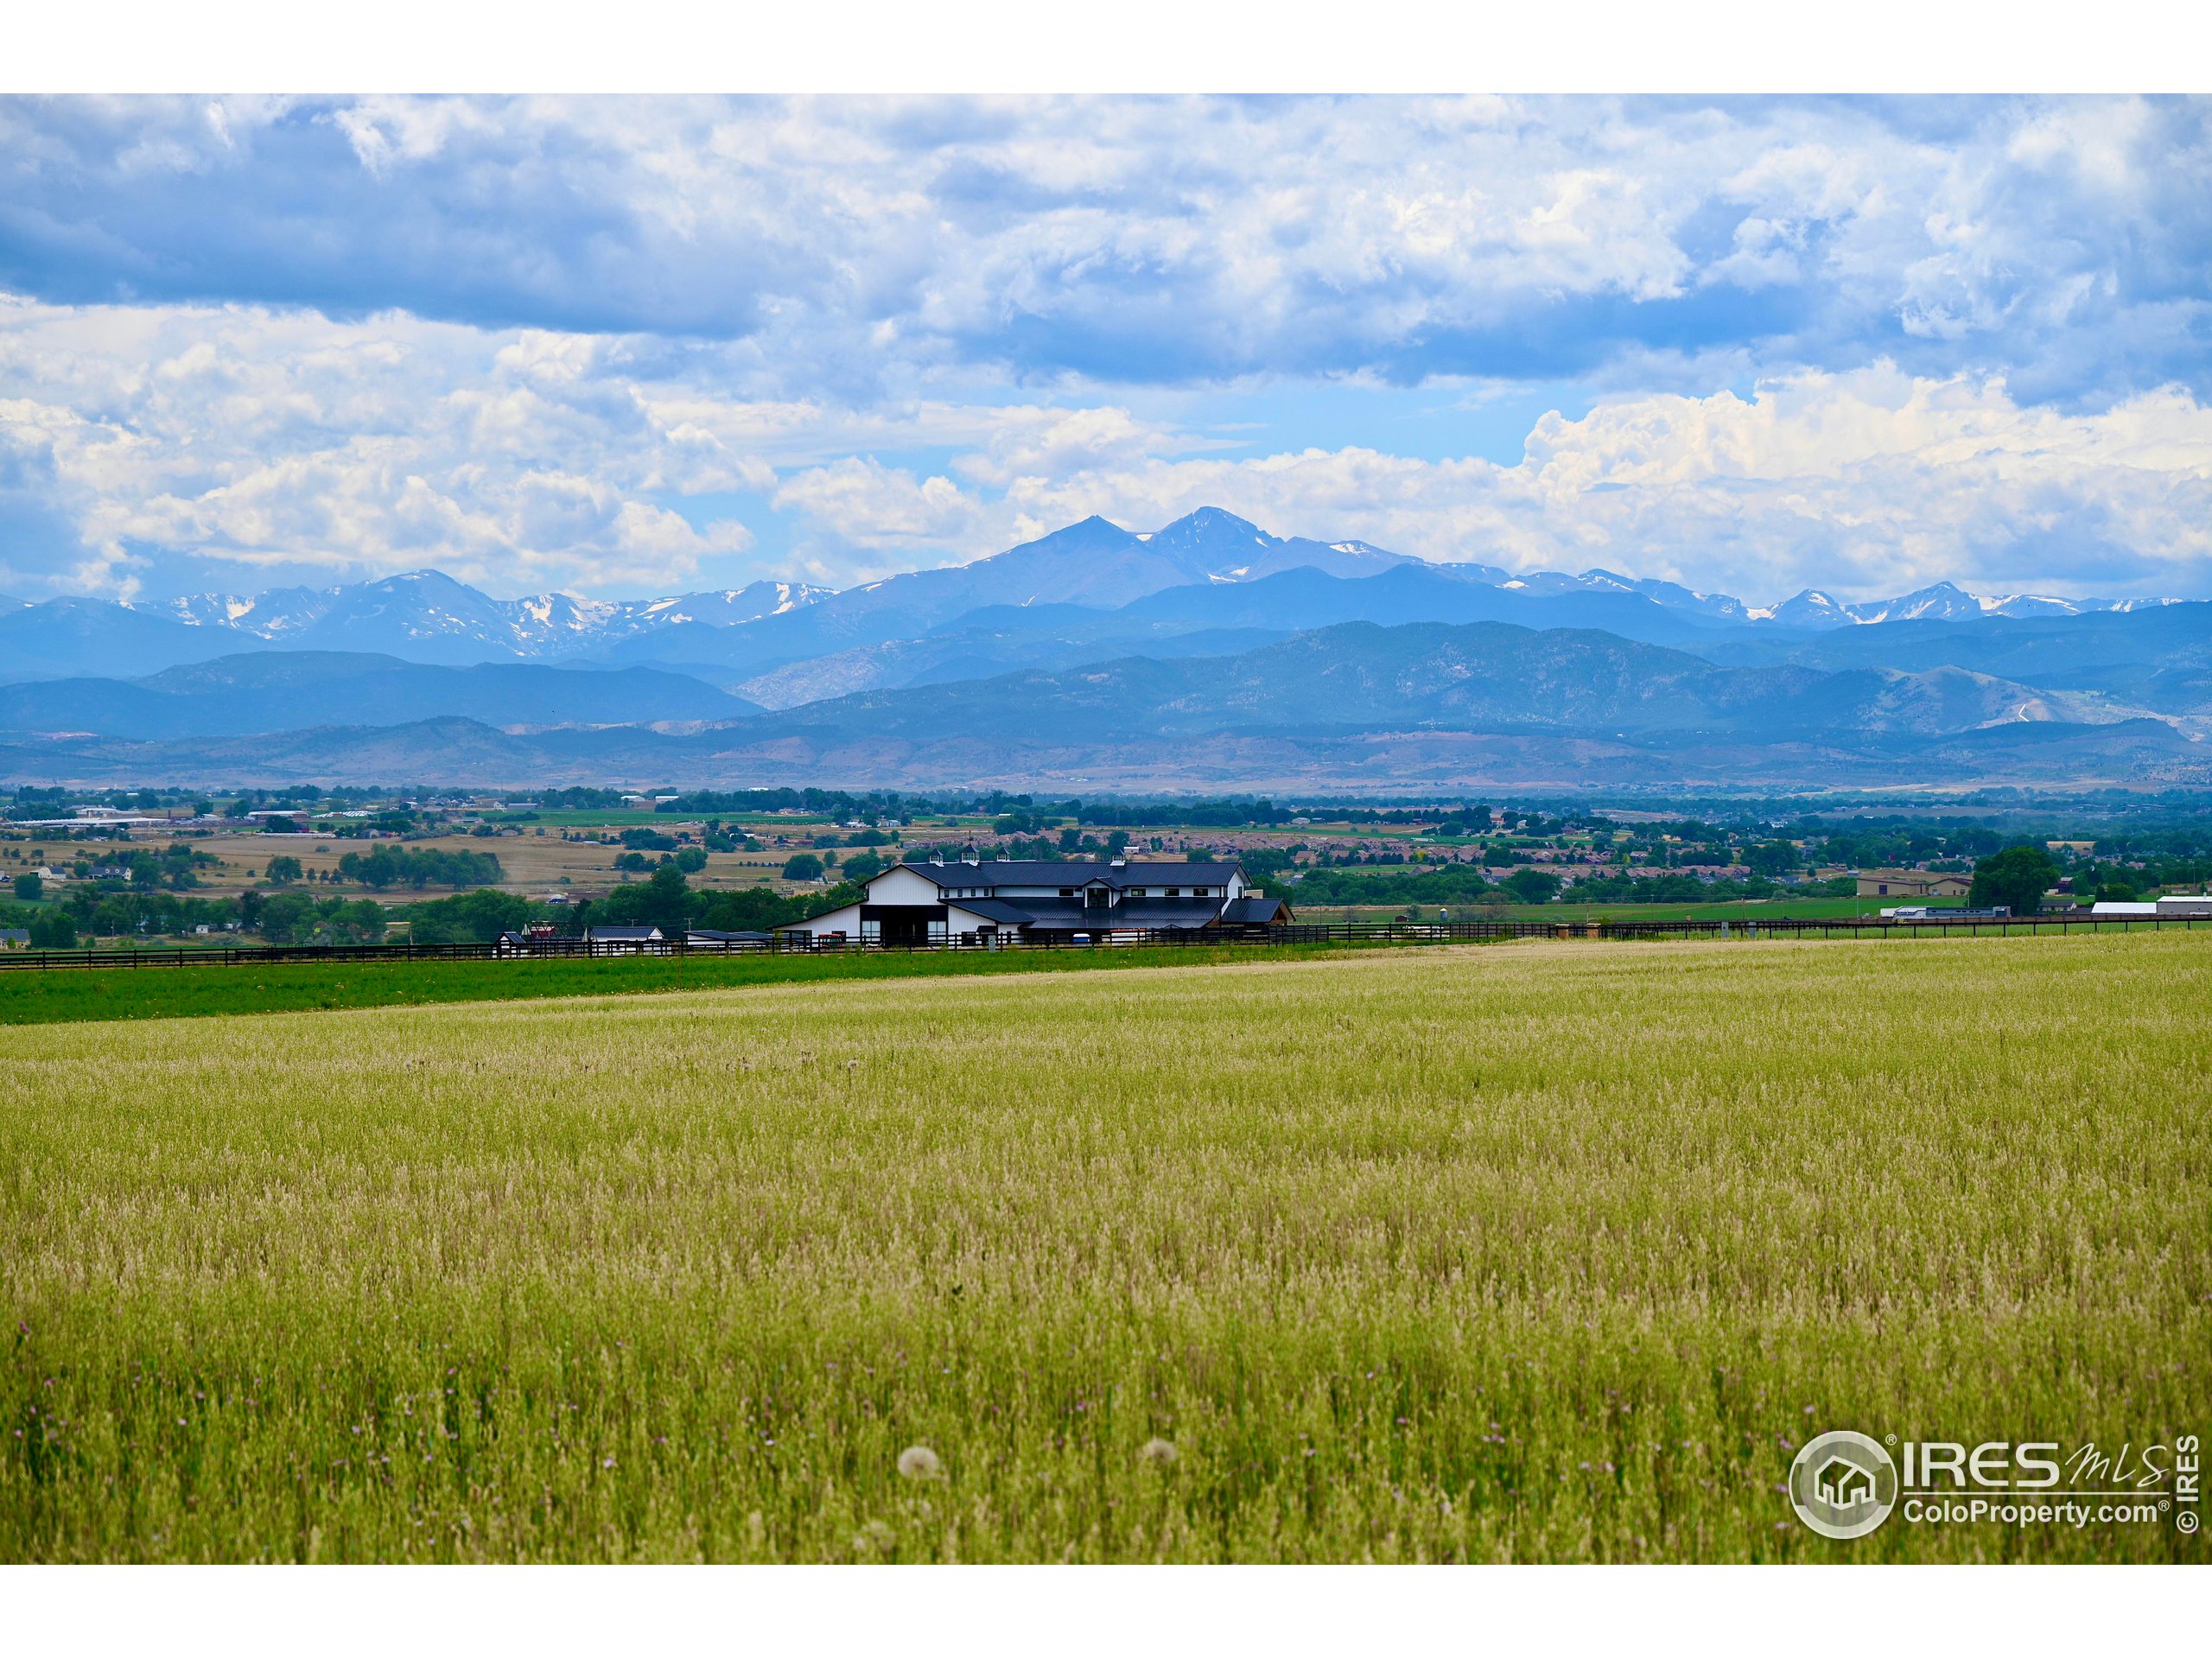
x: 287, y: 918
x: 29, y: 886
x: 821, y: 904
x: 53, y: 929
x: 2016, y: 879
x: 1774, y: 858
x: 663, y: 902
x: 388, y: 866
x: 282, y: 871
x: 1530, y: 886
x: 748, y: 910
x: 477, y: 918
x: 667, y: 898
x: 691, y: 860
x: 802, y: 867
x: 364, y: 919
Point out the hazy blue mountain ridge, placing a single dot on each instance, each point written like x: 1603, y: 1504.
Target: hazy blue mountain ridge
x: 274, y: 691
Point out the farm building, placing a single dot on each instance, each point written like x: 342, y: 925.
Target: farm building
x: 1009, y: 899
x: 2173, y: 904
x: 625, y: 941
x: 1913, y: 884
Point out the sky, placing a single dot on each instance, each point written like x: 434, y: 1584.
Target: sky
x: 630, y: 346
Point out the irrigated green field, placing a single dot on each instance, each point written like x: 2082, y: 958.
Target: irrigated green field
x: 41, y: 997
x: 1540, y: 1252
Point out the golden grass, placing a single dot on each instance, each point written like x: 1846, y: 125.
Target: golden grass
x: 1547, y: 1252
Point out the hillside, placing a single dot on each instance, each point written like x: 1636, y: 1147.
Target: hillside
x: 1355, y: 706
x: 286, y: 690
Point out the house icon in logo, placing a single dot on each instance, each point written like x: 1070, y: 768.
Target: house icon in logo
x: 1844, y: 1485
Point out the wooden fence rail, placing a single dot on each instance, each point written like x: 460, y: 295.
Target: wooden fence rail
x: 1401, y: 933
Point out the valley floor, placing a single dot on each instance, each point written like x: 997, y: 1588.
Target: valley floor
x: 1543, y: 1252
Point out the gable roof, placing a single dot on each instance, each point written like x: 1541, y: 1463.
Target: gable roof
x: 1255, y: 910
x: 1071, y: 872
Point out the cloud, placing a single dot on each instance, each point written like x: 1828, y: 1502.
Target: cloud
x: 1869, y: 484
x: 157, y: 439
x: 271, y: 439
x: 871, y: 506
x: 137, y: 442
x: 859, y: 247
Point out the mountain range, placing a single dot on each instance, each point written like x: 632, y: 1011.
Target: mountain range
x: 1094, y: 565
x: 1206, y: 654
x: 276, y: 691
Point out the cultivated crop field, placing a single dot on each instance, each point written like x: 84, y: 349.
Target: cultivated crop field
x: 37, y: 996
x: 1537, y: 1252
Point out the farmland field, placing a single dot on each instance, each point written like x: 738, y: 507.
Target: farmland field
x: 1536, y: 1252
x: 37, y: 997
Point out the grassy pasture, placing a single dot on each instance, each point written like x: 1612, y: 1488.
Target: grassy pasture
x: 29, y: 996
x: 1546, y: 1252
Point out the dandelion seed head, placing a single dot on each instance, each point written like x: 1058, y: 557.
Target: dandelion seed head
x: 919, y: 1463
x: 1160, y: 1454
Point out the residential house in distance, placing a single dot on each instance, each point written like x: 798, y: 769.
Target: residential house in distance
x: 970, y: 900
x: 1913, y: 884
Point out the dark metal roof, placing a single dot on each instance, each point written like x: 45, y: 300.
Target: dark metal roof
x: 1074, y: 873
x: 623, y: 935
x: 1254, y: 910
x: 1057, y: 915
x: 996, y: 910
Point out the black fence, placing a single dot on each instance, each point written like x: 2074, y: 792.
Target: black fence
x: 1296, y: 933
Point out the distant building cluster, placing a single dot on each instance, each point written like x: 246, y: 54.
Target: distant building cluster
x: 970, y: 898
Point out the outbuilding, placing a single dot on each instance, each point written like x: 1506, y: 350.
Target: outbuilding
x: 625, y: 941
x: 975, y: 901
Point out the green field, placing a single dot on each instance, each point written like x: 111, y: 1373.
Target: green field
x: 1538, y: 1252
x: 30, y: 996
x: 1559, y: 911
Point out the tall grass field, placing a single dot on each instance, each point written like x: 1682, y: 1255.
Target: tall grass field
x: 1543, y: 1252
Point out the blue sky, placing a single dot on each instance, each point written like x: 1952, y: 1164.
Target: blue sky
x: 632, y: 345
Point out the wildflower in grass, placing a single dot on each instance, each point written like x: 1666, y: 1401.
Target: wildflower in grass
x: 1160, y: 1454
x: 919, y: 1463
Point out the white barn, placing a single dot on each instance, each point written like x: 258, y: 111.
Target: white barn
x: 972, y: 900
